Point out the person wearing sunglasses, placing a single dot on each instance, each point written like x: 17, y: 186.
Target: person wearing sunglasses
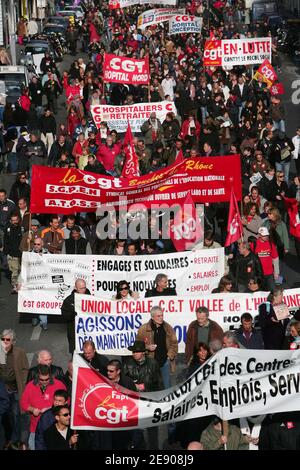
x: 38, y: 397
x: 59, y: 436
x: 124, y: 292
x: 13, y: 371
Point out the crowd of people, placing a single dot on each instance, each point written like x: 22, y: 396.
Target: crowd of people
x: 219, y: 112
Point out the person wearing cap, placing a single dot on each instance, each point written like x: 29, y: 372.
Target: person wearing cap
x: 27, y: 241
x: 76, y: 244
x: 268, y: 256
x: 146, y: 375
x: 94, y: 166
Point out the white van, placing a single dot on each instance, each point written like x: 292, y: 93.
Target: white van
x: 15, y: 78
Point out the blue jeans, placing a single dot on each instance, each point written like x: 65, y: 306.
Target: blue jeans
x: 43, y: 319
x: 165, y: 373
x: 31, y: 441
x: 279, y: 125
x: 285, y: 167
x: 204, y: 113
x: 14, y: 417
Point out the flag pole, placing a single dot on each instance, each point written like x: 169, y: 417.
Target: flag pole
x: 30, y: 232
x: 224, y: 431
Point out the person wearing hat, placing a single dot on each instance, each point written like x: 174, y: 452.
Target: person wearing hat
x: 145, y: 373
x: 28, y: 238
x: 76, y: 244
x: 20, y: 188
x: 267, y: 253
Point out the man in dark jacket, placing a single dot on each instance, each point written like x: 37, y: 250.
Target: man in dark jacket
x: 35, y: 151
x: 76, y: 244
x: 55, y: 437
x: 36, y: 94
x: 248, y: 336
x: 51, y: 90
x: 69, y: 314
x: 244, y: 266
x: 161, y: 287
x: 47, y: 419
x: 96, y: 360
x: 48, y: 128
x: 145, y: 373
x: 12, y: 239
x: 7, y: 208
x: 45, y: 358
x: 202, y: 330
x: 94, y: 166
x: 61, y: 145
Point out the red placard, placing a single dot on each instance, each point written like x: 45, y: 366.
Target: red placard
x: 212, y: 53
x: 126, y: 70
x: 65, y: 190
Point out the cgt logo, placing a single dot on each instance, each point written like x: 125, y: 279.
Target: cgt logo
x: 100, y: 405
x: 268, y: 73
x: 212, y: 53
x: 127, y: 65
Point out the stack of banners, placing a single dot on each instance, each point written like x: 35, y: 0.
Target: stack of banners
x: 64, y: 191
x: 113, y: 325
x: 126, y: 70
x: 117, y: 117
x: 156, y: 16
x: 234, y: 383
x: 191, y: 273
x: 113, y: 4
x: 230, y: 52
x: 185, y: 24
x: 267, y: 72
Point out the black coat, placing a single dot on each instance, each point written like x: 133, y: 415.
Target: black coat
x: 255, y: 341
x: 147, y: 373
x: 55, y: 441
x: 99, y: 362
x: 245, y: 267
x: 76, y: 247
x: 56, y: 372
x: 12, y: 239
x: 273, y: 333
x: 69, y: 314
x: 154, y: 292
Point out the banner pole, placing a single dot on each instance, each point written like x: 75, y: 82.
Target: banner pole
x: 225, y: 431
x: 30, y: 234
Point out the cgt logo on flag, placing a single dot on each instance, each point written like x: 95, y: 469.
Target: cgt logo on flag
x: 101, y: 405
x: 234, y: 225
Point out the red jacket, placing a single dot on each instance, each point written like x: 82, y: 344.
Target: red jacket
x: 267, y: 252
x: 25, y: 102
x: 107, y: 155
x: 33, y: 396
x: 185, y: 128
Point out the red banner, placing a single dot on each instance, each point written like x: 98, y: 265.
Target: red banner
x: 131, y: 166
x: 234, y: 226
x: 65, y: 190
x: 126, y: 70
x: 186, y: 229
x: 277, y: 89
x: 267, y: 72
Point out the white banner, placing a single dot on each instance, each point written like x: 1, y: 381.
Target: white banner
x: 185, y: 24
x: 230, y: 52
x: 113, y: 325
x: 156, y: 16
x: 117, y: 117
x: 53, y: 276
x: 129, y: 3
x: 234, y: 383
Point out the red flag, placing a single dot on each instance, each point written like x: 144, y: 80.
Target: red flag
x: 277, y: 89
x: 179, y: 157
x: 186, y: 229
x: 292, y: 206
x: 131, y: 164
x: 266, y: 70
x: 234, y: 226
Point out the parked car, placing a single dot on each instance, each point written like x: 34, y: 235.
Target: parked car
x: 15, y: 78
x: 58, y: 20
x: 35, y: 50
x: 79, y: 13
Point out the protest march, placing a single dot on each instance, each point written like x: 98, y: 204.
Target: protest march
x: 150, y: 231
